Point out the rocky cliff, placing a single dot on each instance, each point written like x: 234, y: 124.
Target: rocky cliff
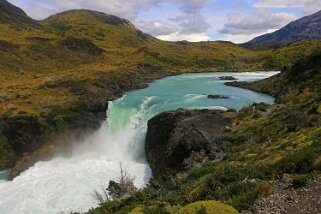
x: 182, y: 139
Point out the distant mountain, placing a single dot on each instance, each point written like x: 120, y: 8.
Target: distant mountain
x: 14, y: 15
x: 306, y: 28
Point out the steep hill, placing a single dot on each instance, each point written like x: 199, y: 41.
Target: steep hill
x: 106, y: 30
x: 306, y: 28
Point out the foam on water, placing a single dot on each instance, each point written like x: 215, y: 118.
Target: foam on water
x: 65, y: 184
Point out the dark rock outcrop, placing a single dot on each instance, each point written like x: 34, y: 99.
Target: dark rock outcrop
x: 217, y: 97
x: 227, y: 78
x: 34, y: 138
x: 81, y: 45
x: 7, y: 46
x: 179, y: 140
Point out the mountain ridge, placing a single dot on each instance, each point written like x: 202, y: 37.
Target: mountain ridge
x: 109, y: 19
x: 305, y: 28
x: 12, y: 14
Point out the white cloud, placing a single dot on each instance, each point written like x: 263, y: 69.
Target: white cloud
x: 193, y: 37
x: 307, y: 6
x: 261, y: 21
x: 156, y: 28
x: 124, y: 8
x: 241, y: 38
x: 193, y: 23
x: 192, y: 26
x: 192, y: 6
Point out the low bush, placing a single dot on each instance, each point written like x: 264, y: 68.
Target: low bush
x: 300, y: 181
x: 264, y: 189
x: 207, y: 207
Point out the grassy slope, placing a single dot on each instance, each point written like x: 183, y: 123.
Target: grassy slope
x: 263, y: 144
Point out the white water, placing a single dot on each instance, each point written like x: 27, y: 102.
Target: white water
x: 64, y: 185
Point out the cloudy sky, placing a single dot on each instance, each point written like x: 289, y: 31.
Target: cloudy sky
x: 193, y: 20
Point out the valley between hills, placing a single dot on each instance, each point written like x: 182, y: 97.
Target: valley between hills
x: 57, y: 74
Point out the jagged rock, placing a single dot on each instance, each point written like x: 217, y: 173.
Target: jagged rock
x: 179, y: 140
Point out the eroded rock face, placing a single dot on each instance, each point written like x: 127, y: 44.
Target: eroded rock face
x: 179, y: 140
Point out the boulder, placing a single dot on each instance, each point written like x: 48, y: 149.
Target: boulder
x: 182, y: 139
x: 227, y: 78
x: 217, y: 97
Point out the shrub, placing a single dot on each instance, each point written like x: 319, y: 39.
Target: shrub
x: 158, y: 208
x: 300, y: 181
x: 293, y: 121
x: 207, y: 207
x: 231, y: 110
x: 122, y: 188
x: 264, y: 189
x: 302, y: 161
x: 100, y: 197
